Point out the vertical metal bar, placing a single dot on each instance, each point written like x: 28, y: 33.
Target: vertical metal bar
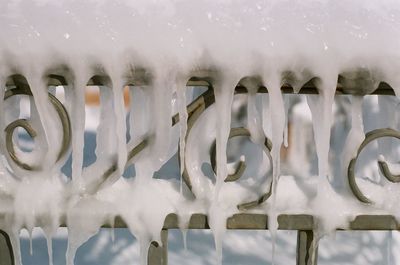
x: 307, y: 248
x: 158, y: 254
x: 6, y: 252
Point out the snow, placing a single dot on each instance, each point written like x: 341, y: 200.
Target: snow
x: 223, y: 41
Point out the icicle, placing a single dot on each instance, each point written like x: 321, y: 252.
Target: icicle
x: 49, y: 230
x: 322, y: 116
x: 286, y: 101
x: 183, y: 116
x: 77, y: 98
x: 74, y: 244
x: 183, y: 227
x: 49, y: 242
x: 69, y: 96
x: 161, y: 110
x: 84, y: 220
x: 298, y: 153
x: 277, y: 119
x: 75, y: 239
x: 224, y: 91
x: 184, y: 238
x: 266, y: 124
x: 217, y: 222
x: 387, y: 118
x: 105, y: 139
x: 30, y: 242
x: 144, y: 243
x: 112, y: 229
x: 254, y: 122
x: 141, y: 220
x: 356, y: 134
x: 32, y: 208
x: 119, y: 112
x: 138, y: 113
x: 52, y: 127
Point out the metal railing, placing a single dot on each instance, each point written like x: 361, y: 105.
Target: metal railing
x: 158, y: 254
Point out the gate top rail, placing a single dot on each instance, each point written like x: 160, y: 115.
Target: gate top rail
x: 308, y: 88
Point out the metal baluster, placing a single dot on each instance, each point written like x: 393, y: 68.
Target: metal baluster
x: 6, y: 252
x: 307, y: 249
x: 158, y: 254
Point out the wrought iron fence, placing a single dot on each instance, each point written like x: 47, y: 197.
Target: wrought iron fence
x: 307, y: 249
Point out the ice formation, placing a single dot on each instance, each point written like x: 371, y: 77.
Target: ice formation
x: 156, y: 47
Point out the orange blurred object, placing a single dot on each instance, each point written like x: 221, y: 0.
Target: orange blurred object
x: 92, y: 96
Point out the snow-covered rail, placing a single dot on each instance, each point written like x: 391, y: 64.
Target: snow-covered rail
x: 93, y: 189
x: 304, y: 224
x: 211, y: 89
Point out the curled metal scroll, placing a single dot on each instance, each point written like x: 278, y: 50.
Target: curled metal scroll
x: 369, y: 137
x: 23, y: 123
x: 195, y: 110
x: 241, y: 167
x: 242, y: 164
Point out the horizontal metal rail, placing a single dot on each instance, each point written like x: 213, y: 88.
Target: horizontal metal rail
x: 303, y: 223
x: 250, y: 221
x: 308, y: 88
x: 307, y: 246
